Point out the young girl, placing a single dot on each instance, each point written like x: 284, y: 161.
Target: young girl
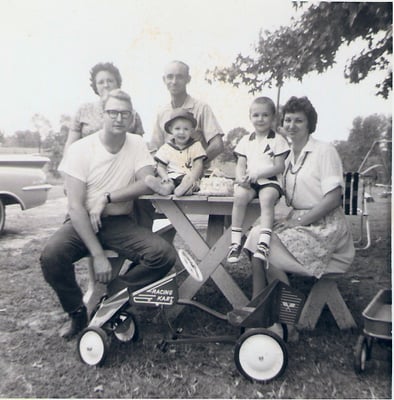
x: 260, y: 161
x: 179, y: 161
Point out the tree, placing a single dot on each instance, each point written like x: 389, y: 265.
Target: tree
x: 310, y: 44
x: 24, y: 138
x: 43, y: 127
x: 364, y: 132
x: 231, y: 140
x: 54, y: 144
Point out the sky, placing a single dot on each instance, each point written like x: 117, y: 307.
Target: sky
x: 49, y: 46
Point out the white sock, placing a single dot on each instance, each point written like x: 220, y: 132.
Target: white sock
x: 236, y: 235
x: 265, y: 236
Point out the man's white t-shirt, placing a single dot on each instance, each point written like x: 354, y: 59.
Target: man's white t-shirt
x: 89, y: 161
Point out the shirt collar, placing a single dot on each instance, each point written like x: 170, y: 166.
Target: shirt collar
x: 188, y: 104
x: 308, y: 148
x: 310, y: 144
x: 271, y: 135
x: 172, y: 143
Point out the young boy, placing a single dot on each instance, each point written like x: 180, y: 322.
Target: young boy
x: 179, y: 161
x: 260, y: 161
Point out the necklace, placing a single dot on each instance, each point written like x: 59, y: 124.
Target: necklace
x: 289, y: 202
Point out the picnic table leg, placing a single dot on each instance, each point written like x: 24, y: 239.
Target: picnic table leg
x: 210, y: 257
x: 215, y: 228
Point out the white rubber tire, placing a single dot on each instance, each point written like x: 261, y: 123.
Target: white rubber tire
x: 190, y: 265
x: 260, y: 355
x: 93, y: 346
x: 126, y: 331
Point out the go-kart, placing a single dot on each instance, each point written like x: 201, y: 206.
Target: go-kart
x: 260, y: 354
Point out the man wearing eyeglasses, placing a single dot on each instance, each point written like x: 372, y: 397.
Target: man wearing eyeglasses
x: 104, y: 172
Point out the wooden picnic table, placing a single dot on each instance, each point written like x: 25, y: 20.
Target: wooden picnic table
x: 211, y: 250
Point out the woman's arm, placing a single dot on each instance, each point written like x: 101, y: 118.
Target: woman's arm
x: 331, y: 200
x: 72, y: 137
x: 138, y: 128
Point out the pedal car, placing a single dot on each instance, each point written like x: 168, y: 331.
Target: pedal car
x: 260, y: 354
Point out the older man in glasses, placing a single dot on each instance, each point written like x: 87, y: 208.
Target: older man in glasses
x: 104, y: 172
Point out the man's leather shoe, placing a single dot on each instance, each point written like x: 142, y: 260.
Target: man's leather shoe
x: 79, y: 321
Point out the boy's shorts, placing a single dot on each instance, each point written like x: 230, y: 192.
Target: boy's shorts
x: 274, y: 184
x: 177, y: 181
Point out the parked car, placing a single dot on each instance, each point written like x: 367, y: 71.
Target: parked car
x: 22, y: 181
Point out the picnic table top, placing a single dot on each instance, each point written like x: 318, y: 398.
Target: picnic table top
x: 194, y: 198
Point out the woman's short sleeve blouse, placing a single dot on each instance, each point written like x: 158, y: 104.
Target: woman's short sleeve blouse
x: 318, y: 170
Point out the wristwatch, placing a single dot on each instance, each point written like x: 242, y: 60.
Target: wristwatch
x: 108, y: 197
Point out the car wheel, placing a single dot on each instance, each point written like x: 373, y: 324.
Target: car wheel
x: 2, y: 215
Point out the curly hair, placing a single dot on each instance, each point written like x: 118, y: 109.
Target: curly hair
x: 104, y: 67
x: 301, y: 104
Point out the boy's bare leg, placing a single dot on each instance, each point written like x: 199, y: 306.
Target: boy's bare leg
x: 185, y: 187
x: 158, y: 186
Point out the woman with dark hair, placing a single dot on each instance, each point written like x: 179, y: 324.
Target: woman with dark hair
x: 89, y: 118
x: 314, y: 239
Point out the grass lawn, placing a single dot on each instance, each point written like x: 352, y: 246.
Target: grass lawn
x: 36, y: 362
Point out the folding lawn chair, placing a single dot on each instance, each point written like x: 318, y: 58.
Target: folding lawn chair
x: 355, y: 202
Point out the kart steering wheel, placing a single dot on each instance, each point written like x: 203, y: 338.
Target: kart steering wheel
x: 190, y: 265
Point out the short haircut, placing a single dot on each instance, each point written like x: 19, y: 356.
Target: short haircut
x: 301, y: 104
x: 118, y: 94
x: 104, y: 67
x: 183, y: 64
x: 264, y: 100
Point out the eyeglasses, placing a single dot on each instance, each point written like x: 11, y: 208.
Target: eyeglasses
x: 113, y: 114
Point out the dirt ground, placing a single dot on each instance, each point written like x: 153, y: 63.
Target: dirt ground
x: 36, y: 362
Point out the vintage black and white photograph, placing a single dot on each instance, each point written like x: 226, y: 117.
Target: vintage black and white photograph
x: 195, y: 199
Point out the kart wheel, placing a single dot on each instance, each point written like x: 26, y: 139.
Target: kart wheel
x: 260, y: 355
x: 362, y: 353
x: 93, y: 346
x: 126, y: 329
x: 2, y: 215
x: 190, y: 265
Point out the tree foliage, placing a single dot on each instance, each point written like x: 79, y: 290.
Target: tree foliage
x: 25, y: 138
x: 361, y: 137
x: 311, y: 44
x: 44, y: 139
x: 230, y: 141
x: 54, y: 144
